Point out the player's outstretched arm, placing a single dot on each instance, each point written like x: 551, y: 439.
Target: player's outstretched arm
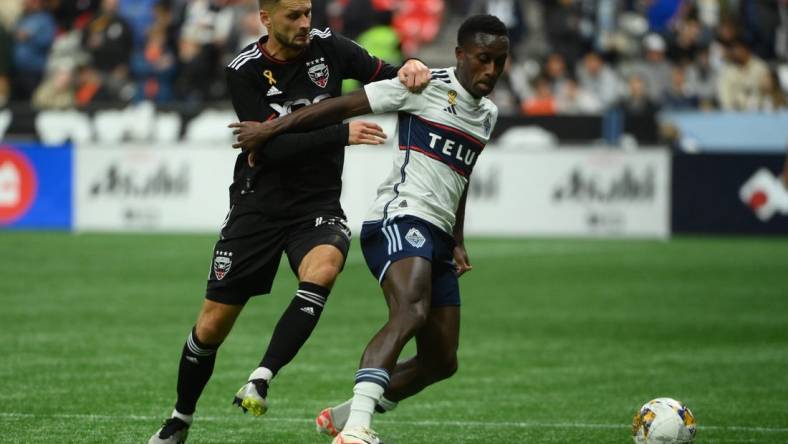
x: 253, y: 135
x: 460, y: 254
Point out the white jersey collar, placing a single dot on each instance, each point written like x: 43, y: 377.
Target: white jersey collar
x: 462, y: 91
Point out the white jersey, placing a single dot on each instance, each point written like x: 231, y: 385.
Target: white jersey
x: 442, y: 132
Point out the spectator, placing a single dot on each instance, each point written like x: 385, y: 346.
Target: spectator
x: 573, y: 99
x: 679, y: 96
x: 90, y: 88
x: 739, y: 87
x: 555, y: 71
x: 520, y: 76
x: 57, y: 90
x: 761, y: 20
x: 154, y: 67
x: 709, y: 12
x: 204, y: 37
x: 542, y: 103
x: 568, y: 30
x: 71, y: 14
x: 108, y: 40
x: 249, y: 31
x: 636, y: 101
x: 704, y: 77
x: 688, y: 40
x: 140, y: 16
x: 654, y: 68
x: 33, y: 36
x: 772, y: 96
x: 661, y: 13
x: 598, y: 79
x: 726, y: 34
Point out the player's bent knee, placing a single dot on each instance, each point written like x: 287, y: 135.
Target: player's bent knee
x: 444, y: 368
x: 411, y: 317
x: 323, y: 275
x: 211, y: 330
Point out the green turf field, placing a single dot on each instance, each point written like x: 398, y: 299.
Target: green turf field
x: 562, y: 341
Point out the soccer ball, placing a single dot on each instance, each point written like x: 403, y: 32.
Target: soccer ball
x: 663, y: 421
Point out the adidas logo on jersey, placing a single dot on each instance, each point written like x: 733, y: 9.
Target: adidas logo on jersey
x: 273, y: 91
x: 308, y: 310
x: 451, y: 110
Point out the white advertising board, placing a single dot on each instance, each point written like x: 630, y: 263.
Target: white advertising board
x: 563, y: 192
x: 151, y: 188
x: 577, y: 192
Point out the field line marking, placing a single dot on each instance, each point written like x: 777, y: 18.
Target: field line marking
x: 427, y: 423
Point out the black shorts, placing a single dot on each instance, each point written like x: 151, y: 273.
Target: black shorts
x: 247, y: 255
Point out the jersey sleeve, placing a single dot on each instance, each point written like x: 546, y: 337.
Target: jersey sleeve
x: 358, y: 64
x: 391, y: 95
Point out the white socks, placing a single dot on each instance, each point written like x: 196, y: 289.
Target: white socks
x: 186, y: 418
x: 261, y: 373
x: 341, y: 412
x: 386, y: 404
x: 365, y: 398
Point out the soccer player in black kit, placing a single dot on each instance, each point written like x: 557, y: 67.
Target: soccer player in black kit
x: 284, y: 200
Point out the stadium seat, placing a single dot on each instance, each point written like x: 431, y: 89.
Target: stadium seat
x: 57, y: 127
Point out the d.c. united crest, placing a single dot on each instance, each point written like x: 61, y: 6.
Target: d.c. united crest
x: 318, y: 72
x: 222, y: 263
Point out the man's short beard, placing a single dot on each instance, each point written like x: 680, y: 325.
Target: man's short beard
x: 289, y: 44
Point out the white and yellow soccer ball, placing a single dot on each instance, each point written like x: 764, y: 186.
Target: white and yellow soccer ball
x: 663, y: 421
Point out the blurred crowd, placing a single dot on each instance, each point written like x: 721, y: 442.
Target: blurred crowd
x: 640, y: 56
x: 568, y: 57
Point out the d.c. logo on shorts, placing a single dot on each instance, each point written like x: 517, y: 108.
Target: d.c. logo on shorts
x: 222, y: 263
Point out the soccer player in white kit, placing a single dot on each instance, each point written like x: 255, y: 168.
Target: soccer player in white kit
x: 412, y: 239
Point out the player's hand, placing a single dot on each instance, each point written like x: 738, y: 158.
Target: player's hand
x: 461, y: 260
x: 365, y: 133
x: 250, y: 135
x: 414, y: 75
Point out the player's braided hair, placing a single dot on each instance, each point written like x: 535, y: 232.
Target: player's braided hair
x: 480, y: 23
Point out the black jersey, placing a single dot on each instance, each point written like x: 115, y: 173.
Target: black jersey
x: 299, y: 174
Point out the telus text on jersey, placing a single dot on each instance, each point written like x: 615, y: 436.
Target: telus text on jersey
x: 452, y: 149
